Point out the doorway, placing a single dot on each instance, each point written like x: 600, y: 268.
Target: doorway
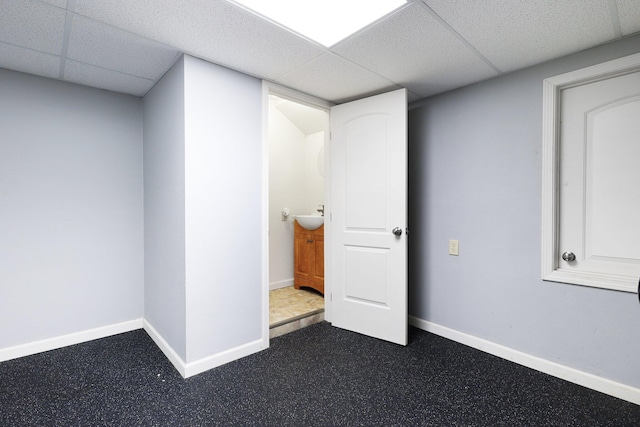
x: 348, y: 172
x: 296, y: 134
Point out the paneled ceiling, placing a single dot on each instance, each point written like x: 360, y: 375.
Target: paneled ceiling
x: 426, y: 46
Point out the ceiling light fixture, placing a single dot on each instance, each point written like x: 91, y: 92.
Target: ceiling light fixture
x: 325, y: 21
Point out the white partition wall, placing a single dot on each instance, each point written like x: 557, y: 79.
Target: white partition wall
x: 164, y: 215
x: 203, y: 204
x: 223, y: 206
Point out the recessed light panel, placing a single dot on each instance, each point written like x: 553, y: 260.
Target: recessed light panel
x: 325, y: 21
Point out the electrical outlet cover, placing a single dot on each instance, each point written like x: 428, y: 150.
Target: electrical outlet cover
x: 453, y: 247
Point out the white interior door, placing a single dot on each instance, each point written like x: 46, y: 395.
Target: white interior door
x: 599, y: 180
x: 369, y: 202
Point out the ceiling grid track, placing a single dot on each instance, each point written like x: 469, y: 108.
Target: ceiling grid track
x: 615, y: 18
x: 65, y: 40
x: 459, y: 37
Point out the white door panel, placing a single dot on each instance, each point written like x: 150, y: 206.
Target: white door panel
x: 599, y: 194
x: 369, y: 200
x: 366, y: 274
x: 365, y: 139
x: 612, y: 182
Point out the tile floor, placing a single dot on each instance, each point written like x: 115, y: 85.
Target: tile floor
x: 291, y: 309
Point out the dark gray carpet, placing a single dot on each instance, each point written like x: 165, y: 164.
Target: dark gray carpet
x: 319, y: 376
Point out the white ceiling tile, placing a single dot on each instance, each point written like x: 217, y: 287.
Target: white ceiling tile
x: 432, y: 46
x: 99, y: 44
x: 335, y: 79
x: 29, y: 61
x: 84, y: 74
x: 31, y: 24
x: 413, y: 49
x: 629, y: 13
x: 516, y: 34
x: 216, y: 31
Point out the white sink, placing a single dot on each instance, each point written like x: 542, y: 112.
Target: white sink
x: 310, y: 222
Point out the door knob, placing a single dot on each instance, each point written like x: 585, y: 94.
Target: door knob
x: 397, y: 231
x: 569, y: 256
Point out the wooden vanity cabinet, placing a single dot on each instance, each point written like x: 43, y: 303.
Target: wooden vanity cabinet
x: 308, y: 266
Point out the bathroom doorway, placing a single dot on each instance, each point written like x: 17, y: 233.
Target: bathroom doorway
x: 296, y: 138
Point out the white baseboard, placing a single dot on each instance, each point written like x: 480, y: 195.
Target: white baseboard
x: 193, y: 368
x: 594, y: 382
x: 219, y: 359
x: 164, y: 346
x: 69, y: 339
x: 280, y: 284
x: 185, y: 369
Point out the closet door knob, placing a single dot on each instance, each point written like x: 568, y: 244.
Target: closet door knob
x: 569, y: 256
x: 397, y: 231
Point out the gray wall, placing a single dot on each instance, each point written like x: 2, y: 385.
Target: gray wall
x: 164, y: 209
x: 71, y: 212
x: 475, y: 175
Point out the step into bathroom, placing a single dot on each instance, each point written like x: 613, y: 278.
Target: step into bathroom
x: 291, y: 309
